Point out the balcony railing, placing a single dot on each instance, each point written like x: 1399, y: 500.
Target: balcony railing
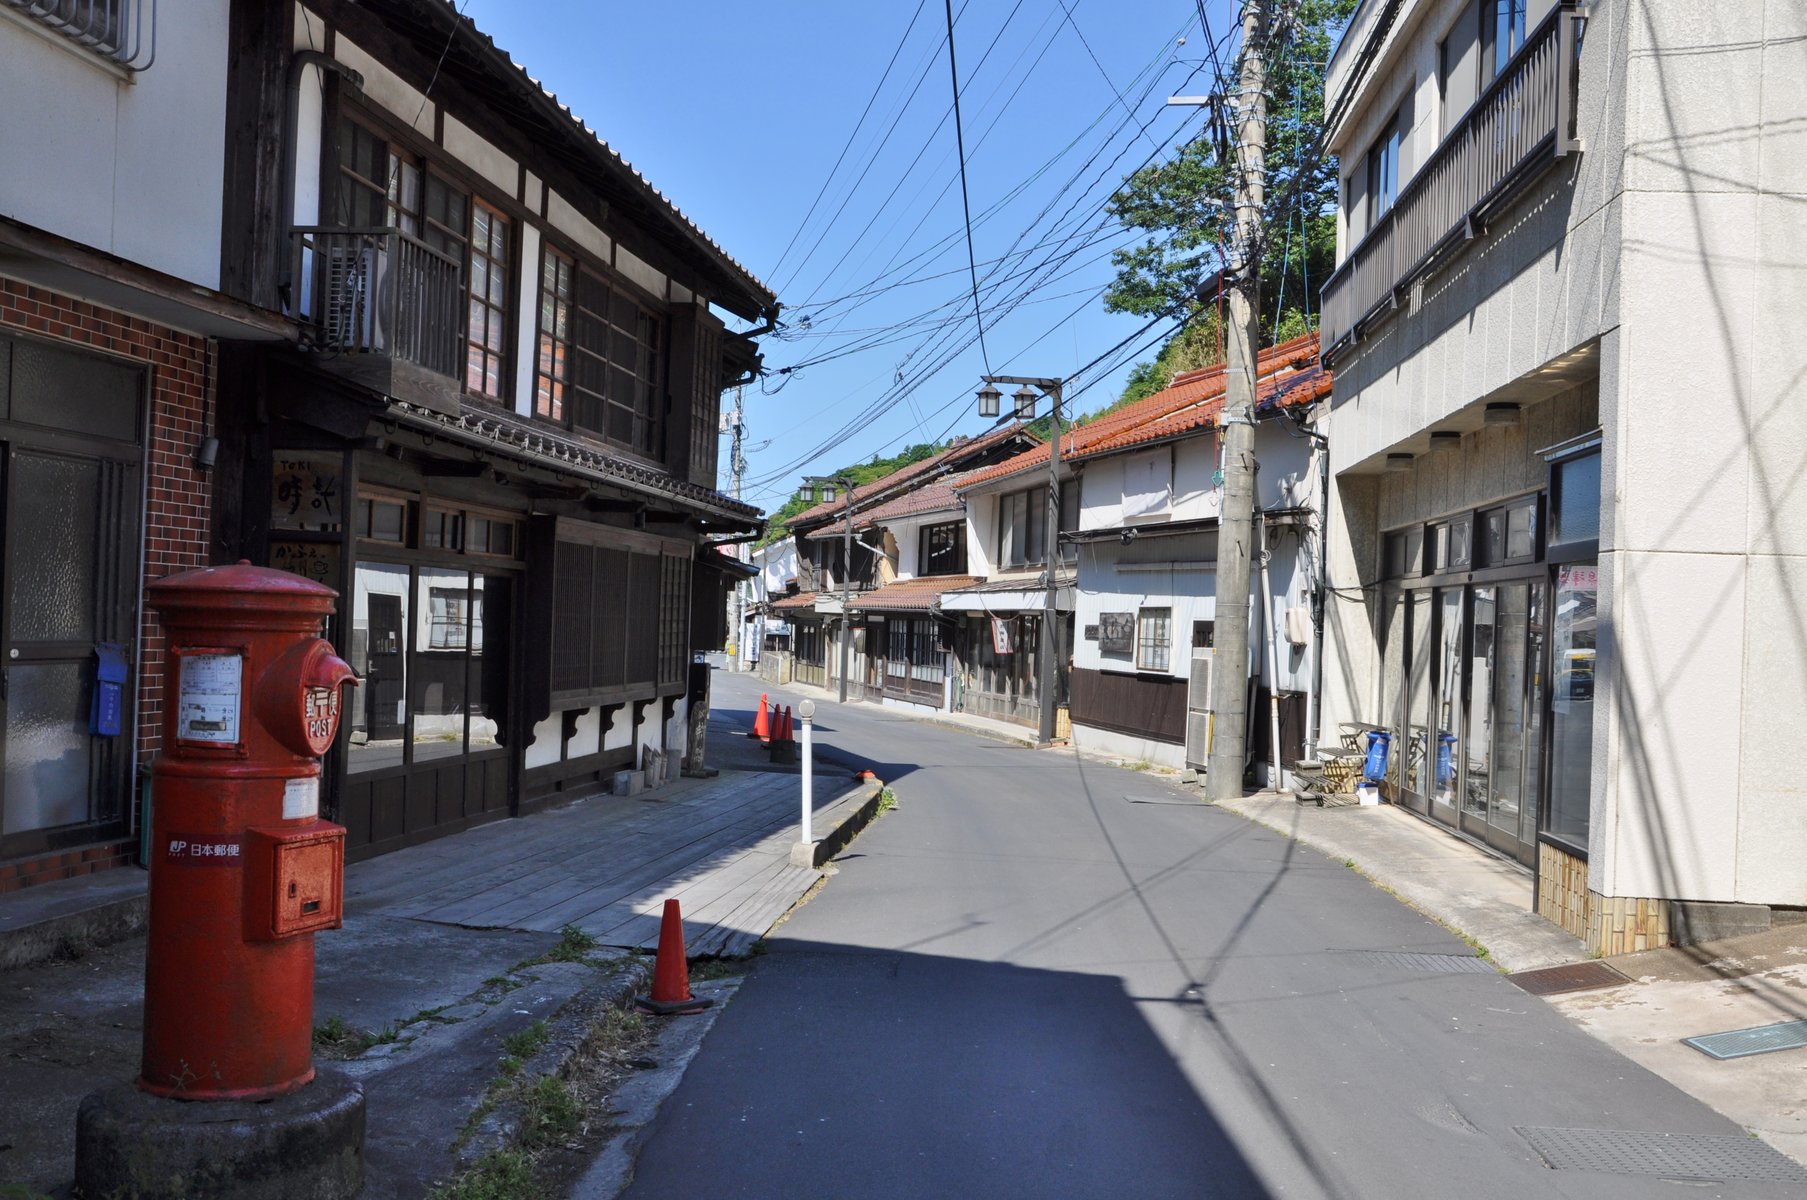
x: 1522, y: 122
x: 120, y: 31
x: 381, y: 291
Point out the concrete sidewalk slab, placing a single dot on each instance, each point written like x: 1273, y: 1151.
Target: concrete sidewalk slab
x: 1478, y: 895
x: 1713, y: 987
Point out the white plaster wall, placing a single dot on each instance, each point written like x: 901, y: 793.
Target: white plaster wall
x: 132, y: 165
x: 620, y: 731
x: 574, y: 225
x: 480, y: 155
x: 527, y: 328
x: 1132, y: 749
x: 981, y: 533
x: 385, y: 88
x: 640, y: 272
x: 586, y: 738
x: 548, y: 742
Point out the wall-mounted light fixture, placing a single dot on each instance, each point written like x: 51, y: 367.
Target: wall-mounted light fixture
x: 1501, y: 414
x: 1444, y: 439
x: 1399, y: 462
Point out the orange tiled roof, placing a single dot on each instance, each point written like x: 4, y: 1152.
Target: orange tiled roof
x: 793, y: 603
x: 1191, y: 402
x: 928, y: 467
x: 910, y: 595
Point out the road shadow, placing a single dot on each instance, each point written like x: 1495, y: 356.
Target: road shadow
x: 911, y: 1075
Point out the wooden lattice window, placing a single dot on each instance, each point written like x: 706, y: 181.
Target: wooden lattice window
x: 486, y: 336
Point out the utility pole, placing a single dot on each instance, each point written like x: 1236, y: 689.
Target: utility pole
x: 737, y: 465
x: 1048, y: 649
x: 1235, y: 529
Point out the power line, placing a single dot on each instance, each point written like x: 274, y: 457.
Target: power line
x: 965, y: 200
x: 851, y: 137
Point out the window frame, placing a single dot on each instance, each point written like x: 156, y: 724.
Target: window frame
x: 1161, y: 639
x: 955, y: 549
x: 497, y: 256
x: 587, y: 399
x: 1032, y: 504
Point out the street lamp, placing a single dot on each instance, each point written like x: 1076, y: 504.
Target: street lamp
x: 841, y: 484
x: 989, y: 396
x: 1049, y: 646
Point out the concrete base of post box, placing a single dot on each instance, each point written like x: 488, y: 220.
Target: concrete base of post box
x: 308, y: 1145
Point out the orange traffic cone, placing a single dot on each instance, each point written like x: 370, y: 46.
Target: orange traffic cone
x: 761, y: 729
x: 671, y: 974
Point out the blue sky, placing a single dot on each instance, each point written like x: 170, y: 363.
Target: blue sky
x: 738, y: 113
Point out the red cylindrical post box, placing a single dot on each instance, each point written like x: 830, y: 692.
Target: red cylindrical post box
x: 243, y: 870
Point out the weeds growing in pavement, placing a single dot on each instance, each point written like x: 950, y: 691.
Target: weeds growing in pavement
x: 499, y: 1175
x: 525, y: 1043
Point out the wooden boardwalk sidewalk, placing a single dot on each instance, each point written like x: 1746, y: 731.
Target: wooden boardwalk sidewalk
x: 607, y: 864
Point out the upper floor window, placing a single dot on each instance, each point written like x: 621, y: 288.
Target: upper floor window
x: 1022, y: 517
x: 1503, y: 30
x: 1384, y: 166
x: 598, y: 365
x: 943, y: 549
x: 486, y: 334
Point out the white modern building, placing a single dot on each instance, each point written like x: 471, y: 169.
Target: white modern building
x: 1569, y: 519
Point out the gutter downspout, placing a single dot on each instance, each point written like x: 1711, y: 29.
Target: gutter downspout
x: 758, y: 331
x: 1275, y: 779
x: 291, y: 125
x: 1320, y: 597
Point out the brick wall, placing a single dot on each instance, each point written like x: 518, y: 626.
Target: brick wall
x: 179, y: 497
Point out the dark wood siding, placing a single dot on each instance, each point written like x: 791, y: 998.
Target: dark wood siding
x: 1151, y: 706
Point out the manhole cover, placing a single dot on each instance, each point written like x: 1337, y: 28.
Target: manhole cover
x: 1761, y: 1039
x: 1576, y: 977
x: 1669, y: 1155
x: 1445, y: 964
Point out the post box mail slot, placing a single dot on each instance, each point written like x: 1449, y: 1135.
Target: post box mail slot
x: 295, y: 880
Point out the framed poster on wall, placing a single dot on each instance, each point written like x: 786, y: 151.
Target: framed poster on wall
x: 1117, y: 633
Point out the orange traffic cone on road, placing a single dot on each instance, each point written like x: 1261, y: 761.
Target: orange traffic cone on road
x: 761, y: 728
x: 671, y: 972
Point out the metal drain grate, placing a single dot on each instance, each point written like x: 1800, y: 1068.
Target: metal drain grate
x: 1761, y: 1039
x: 1703, y: 1156
x: 1441, y: 964
x: 1576, y: 977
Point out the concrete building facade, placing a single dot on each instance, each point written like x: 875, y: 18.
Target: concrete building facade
x: 1568, y: 521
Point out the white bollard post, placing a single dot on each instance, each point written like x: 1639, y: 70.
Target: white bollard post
x: 803, y: 854
x: 808, y: 708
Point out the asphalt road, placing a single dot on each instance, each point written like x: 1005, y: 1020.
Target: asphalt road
x: 1043, y: 977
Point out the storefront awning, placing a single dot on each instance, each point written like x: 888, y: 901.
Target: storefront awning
x: 997, y: 596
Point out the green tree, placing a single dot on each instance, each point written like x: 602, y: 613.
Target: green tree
x: 1184, y: 207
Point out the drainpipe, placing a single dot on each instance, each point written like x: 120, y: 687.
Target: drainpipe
x: 1314, y: 708
x: 1275, y: 779
x: 759, y: 331
x: 291, y: 124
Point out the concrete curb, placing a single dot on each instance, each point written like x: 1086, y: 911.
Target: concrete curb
x: 568, y: 1028
x: 83, y: 925
x: 850, y: 827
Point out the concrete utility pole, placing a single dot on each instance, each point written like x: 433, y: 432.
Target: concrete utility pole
x: 737, y: 466
x: 1235, y: 530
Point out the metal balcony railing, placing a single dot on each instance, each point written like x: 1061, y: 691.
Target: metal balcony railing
x: 1522, y: 122
x: 120, y: 31
x: 381, y: 292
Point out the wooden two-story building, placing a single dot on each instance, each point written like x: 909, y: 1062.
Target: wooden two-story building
x: 495, y: 430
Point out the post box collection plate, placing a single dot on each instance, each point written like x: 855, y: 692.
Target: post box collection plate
x: 210, y: 696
